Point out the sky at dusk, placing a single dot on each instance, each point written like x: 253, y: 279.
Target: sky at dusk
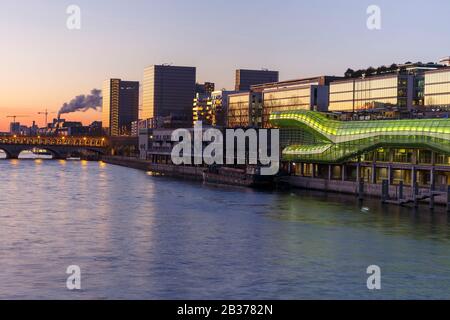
x: 44, y: 64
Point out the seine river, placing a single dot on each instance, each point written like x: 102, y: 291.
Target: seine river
x: 139, y: 236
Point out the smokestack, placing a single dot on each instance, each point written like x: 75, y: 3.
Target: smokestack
x: 82, y: 103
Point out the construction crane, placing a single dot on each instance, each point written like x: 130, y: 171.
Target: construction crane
x: 46, y: 113
x: 15, y: 116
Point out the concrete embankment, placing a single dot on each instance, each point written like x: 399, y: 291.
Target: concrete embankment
x: 351, y: 187
x: 335, y: 186
x: 192, y: 173
x: 226, y: 176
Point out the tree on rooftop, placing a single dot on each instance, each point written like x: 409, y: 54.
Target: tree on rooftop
x: 349, y: 73
x: 370, y: 71
x: 382, y: 69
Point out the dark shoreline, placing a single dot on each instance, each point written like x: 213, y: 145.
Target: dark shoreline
x: 198, y: 174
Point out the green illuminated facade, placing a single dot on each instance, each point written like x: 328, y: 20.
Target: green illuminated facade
x: 343, y: 141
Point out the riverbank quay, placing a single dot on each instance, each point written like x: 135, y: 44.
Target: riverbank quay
x: 223, y: 175
x: 403, y: 195
x: 390, y: 194
x: 184, y: 172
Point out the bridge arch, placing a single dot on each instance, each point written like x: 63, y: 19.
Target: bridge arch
x: 4, y: 154
x: 53, y: 153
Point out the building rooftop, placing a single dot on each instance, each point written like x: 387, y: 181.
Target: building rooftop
x: 319, y: 79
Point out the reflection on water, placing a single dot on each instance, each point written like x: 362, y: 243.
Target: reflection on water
x: 140, y: 236
x: 27, y: 155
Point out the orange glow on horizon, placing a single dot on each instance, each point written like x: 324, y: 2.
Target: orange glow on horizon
x: 31, y: 115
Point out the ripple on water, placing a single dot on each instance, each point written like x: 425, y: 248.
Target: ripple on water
x: 138, y: 236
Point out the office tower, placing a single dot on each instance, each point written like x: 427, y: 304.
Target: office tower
x: 120, y: 106
x: 247, y: 78
x: 168, y: 95
x: 219, y: 101
x: 202, y: 109
x: 205, y: 89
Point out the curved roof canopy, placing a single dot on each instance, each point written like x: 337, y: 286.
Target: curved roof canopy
x: 342, y: 140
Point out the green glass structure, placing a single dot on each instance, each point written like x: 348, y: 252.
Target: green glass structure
x: 341, y: 141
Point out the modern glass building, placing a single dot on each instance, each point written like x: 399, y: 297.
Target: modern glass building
x: 202, y: 109
x: 247, y: 78
x: 437, y: 89
x: 120, y: 106
x: 219, y: 100
x: 405, y: 151
x: 168, y: 91
x: 239, y: 105
x: 244, y: 110
x: 355, y: 95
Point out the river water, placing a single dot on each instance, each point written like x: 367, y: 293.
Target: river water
x: 138, y: 236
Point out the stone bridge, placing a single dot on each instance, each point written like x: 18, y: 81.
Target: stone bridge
x: 59, y: 147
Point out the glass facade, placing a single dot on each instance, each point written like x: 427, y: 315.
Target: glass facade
x: 341, y: 96
x: 203, y: 109
x: 362, y: 94
x: 219, y: 101
x: 247, y: 78
x: 148, y: 94
x: 285, y: 100
x: 437, y: 89
x: 239, y: 110
x: 110, y: 107
x: 120, y: 106
x: 168, y: 91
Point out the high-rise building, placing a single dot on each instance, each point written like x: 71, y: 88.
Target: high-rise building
x: 168, y: 92
x: 120, y: 106
x: 202, y: 109
x: 205, y: 89
x: 219, y: 100
x: 247, y: 78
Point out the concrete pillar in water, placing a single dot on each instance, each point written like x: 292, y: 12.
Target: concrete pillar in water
x: 413, y: 176
x: 374, y: 174
x: 385, y: 190
x: 390, y: 177
x: 448, y: 198
x: 400, y: 190
x: 432, y: 177
x: 432, y: 187
x: 358, y: 172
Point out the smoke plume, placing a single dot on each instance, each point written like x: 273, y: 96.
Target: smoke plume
x: 83, y: 103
